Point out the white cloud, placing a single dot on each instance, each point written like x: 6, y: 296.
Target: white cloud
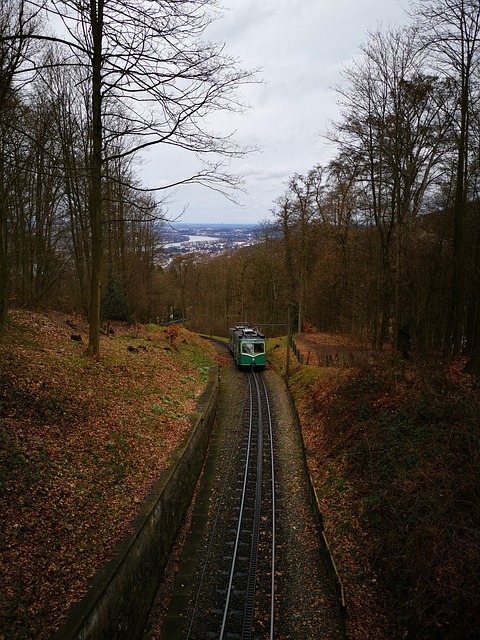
x: 301, y: 46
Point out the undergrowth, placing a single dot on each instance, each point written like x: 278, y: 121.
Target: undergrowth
x: 422, y: 455
x: 407, y: 444
x: 394, y: 451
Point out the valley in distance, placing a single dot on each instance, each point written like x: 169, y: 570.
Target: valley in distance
x: 190, y: 237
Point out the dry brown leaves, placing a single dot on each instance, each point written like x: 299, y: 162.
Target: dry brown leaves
x: 392, y: 449
x: 81, y: 442
x: 369, y: 616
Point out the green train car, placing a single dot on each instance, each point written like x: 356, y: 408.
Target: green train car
x: 248, y: 347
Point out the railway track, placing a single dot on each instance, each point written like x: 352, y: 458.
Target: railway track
x: 227, y: 570
x: 235, y: 592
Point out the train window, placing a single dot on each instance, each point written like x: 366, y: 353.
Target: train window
x: 259, y: 347
x: 247, y: 347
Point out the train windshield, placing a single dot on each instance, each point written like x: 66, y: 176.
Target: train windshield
x: 259, y: 347
x: 253, y: 348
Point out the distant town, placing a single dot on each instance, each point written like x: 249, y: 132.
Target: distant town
x: 184, y: 238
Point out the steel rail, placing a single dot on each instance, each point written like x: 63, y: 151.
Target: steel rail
x: 272, y: 465
x: 240, y: 517
x: 256, y: 482
x: 252, y: 573
x: 212, y: 535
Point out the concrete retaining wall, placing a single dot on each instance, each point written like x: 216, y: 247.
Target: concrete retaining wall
x: 118, y: 604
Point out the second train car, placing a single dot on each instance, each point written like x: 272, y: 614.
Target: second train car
x: 248, y: 346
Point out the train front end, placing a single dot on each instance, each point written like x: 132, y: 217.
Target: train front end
x: 248, y: 347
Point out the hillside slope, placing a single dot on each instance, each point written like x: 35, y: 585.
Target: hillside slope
x: 394, y: 450
x: 81, y: 442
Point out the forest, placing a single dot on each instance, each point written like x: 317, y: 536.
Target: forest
x: 382, y: 243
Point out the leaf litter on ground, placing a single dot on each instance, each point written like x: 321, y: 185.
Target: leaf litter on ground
x: 81, y: 442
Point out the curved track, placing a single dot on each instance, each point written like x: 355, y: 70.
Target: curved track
x: 241, y: 550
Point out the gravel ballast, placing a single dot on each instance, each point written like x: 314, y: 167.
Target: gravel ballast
x: 305, y: 608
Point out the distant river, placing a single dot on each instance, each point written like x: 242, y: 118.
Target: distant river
x: 201, y: 239
x: 192, y: 239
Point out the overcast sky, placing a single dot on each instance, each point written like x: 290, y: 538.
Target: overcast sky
x: 301, y: 47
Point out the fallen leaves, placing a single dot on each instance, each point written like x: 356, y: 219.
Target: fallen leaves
x: 393, y: 453
x: 81, y: 442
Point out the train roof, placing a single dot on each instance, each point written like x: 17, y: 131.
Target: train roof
x: 243, y: 331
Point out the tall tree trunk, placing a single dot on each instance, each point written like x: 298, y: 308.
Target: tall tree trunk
x: 473, y: 313
x: 301, y: 304
x: 456, y: 317
x: 384, y: 297
x: 396, y: 290
x: 3, y: 249
x: 473, y: 363
x: 95, y: 201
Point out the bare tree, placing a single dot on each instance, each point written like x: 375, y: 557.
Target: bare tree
x: 294, y: 213
x: 17, y: 24
x: 284, y: 215
x: 451, y: 30
x: 151, y: 60
x: 70, y: 102
x: 305, y: 191
x: 395, y: 124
